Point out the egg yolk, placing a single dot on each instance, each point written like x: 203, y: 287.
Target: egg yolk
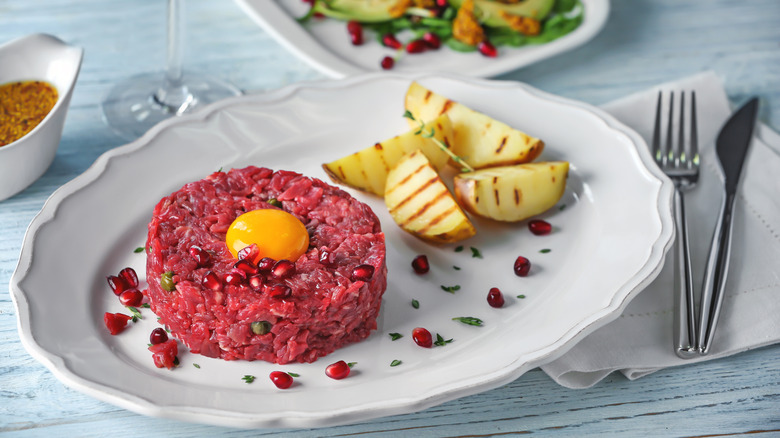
x: 276, y: 233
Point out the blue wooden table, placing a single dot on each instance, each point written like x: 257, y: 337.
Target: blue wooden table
x: 644, y: 43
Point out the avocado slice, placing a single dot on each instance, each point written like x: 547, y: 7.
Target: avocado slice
x: 487, y: 11
x: 366, y: 11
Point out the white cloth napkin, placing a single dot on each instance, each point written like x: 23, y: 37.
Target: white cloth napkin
x: 640, y: 341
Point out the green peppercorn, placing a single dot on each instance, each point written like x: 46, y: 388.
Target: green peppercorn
x: 275, y: 202
x: 166, y: 281
x: 261, y: 327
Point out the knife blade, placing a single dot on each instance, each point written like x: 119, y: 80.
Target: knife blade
x: 731, y: 147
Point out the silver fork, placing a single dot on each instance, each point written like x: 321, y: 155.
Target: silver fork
x: 680, y: 162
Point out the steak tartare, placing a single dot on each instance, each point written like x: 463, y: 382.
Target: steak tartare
x: 327, y: 306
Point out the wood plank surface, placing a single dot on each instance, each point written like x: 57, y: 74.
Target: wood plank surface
x: 644, y: 43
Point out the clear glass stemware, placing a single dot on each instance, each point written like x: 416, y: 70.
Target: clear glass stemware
x: 137, y: 103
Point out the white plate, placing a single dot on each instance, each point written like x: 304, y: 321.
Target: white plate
x: 608, y: 244
x: 324, y: 44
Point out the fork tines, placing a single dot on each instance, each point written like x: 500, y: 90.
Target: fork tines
x: 682, y: 155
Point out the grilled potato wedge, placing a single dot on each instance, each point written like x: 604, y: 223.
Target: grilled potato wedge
x: 512, y: 193
x: 421, y: 204
x: 479, y: 139
x: 367, y: 169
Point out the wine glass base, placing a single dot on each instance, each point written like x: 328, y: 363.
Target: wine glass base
x: 133, y: 105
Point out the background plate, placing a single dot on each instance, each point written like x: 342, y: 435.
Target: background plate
x: 324, y: 44
x: 608, y: 243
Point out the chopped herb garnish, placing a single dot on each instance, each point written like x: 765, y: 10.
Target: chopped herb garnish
x: 415, y: 304
x: 146, y: 305
x: 450, y: 289
x: 459, y: 248
x: 395, y: 363
x: 196, y: 365
x: 562, y: 207
x: 457, y: 268
x: 545, y: 251
x: 248, y: 378
x: 395, y: 336
x: 136, y: 314
x: 440, y: 342
x: 294, y: 374
x: 475, y: 253
x: 521, y: 296
x: 139, y: 249
x: 469, y: 320
x: 148, y: 345
x: 351, y: 364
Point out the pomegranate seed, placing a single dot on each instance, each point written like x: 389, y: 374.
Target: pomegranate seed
x: 325, y: 257
x: 362, y: 273
x: 164, y: 354
x: 158, y: 336
x: 256, y: 282
x: 129, y: 275
x: 420, y: 264
x: 495, y: 298
x: 487, y: 49
x: 422, y: 337
x: 283, y: 269
x: 416, y: 46
x: 131, y: 297
x: 266, y: 264
x: 211, y: 281
x: 279, y: 291
x: 539, y: 227
x: 117, y: 284
x: 250, y: 253
x: 233, y: 278
x: 442, y: 3
x: 281, y: 379
x: 391, y: 41
x: 115, y: 322
x: 387, y: 63
x: 355, y: 31
x: 246, y: 266
x: 432, y: 40
x: 522, y: 266
x: 338, y: 370
x: 200, y: 255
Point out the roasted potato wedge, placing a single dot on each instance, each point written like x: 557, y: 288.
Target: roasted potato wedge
x: 479, y: 139
x: 512, y: 193
x: 367, y: 169
x: 421, y: 204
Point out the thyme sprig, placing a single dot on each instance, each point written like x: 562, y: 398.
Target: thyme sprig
x: 430, y: 134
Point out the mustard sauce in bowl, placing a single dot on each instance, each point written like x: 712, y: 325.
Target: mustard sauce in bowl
x: 23, y: 105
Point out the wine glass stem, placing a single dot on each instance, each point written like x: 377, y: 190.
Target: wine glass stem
x: 173, y: 95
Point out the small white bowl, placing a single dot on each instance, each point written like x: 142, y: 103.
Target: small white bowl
x: 36, y: 57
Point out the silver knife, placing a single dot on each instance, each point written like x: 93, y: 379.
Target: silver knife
x: 731, y: 146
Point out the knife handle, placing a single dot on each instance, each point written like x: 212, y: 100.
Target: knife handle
x: 715, y: 275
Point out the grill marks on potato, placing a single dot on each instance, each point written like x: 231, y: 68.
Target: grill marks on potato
x: 420, y: 203
x: 425, y: 207
x: 416, y: 192
x: 501, y: 145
